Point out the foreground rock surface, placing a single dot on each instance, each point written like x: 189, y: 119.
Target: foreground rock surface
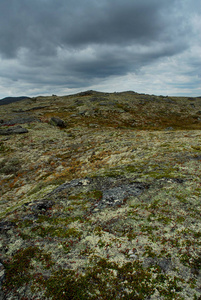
x: 109, y: 211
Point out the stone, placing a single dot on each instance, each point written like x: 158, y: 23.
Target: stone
x: 6, y: 225
x: 13, y: 130
x: 118, y: 195
x: 19, y: 130
x: 19, y: 121
x: 169, y: 128
x: 115, y: 191
x: 164, y: 263
x: 57, y: 122
x: 42, y: 206
x: 72, y: 184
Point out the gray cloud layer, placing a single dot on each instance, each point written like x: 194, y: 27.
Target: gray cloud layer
x: 76, y: 43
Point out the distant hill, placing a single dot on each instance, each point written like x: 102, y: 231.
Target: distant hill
x: 8, y: 100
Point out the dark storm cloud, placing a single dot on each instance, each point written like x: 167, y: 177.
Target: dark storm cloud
x: 73, y: 42
x: 41, y: 25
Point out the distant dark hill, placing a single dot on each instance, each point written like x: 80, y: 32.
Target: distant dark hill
x: 8, y: 100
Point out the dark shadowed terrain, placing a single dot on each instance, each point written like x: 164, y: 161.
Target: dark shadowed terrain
x: 8, y: 100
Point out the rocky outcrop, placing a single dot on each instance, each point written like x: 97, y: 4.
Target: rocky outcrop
x: 13, y: 130
x: 111, y: 192
x: 18, y: 121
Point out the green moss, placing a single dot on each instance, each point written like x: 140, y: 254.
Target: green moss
x: 19, y: 269
x: 64, y: 285
x: 131, y: 235
x: 196, y: 297
x: 10, y: 166
x: 131, y: 169
x: 168, y: 287
x: 197, y: 235
x: 56, y: 181
x: 148, y: 228
x: 38, y: 188
x: 3, y: 148
x: 96, y: 194
x: 163, y: 174
x: 196, y: 264
x: 181, y: 198
x: 51, y: 231
x: 197, y: 148
x: 149, y: 252
x: 76, y: 196
x: 193, y: 261
x: 164, y: 219
x: 154, y: 204
x: 99, y: 282
x: 102, y: 280
x: 112, y: 173
x: 65, y: 220
x: 24, y: 223
x: 180, y: 220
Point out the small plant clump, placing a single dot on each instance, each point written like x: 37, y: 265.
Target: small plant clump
x: 10, y: 166
x: 20, y: 268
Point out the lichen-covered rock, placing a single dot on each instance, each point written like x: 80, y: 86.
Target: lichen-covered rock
x: 13, y: 130
x: 6, y: 225
x: 57, y: 122
x: 109, y: 191
x: 41, y: 206
x: 22, y: 120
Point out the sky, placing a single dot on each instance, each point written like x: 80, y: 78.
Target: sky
x: 66, y: 46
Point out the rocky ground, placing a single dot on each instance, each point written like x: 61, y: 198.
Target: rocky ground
x: 100, y: 197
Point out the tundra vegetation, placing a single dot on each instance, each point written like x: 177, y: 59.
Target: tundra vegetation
x: 106, y: 206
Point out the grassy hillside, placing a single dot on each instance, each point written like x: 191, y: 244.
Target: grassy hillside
x: 106, y: 206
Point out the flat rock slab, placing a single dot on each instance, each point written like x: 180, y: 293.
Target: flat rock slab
x: 112, y: 192
x: 19, y: 121
x: 13, y: 130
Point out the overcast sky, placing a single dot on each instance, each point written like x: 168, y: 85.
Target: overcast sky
x: 66, y: 46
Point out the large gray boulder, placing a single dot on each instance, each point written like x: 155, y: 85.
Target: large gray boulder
x: 57, y: 122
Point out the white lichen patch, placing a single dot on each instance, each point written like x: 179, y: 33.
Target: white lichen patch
x: 14, y: 245
x: 24, y: 189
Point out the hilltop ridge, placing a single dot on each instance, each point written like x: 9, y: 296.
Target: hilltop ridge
x: 126, y: 109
